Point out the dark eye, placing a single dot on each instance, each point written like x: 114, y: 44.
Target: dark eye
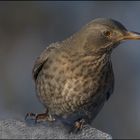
x: 107, y: 33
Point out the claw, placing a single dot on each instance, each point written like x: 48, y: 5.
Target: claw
x: 30, y: 114
x: 36, y: 117
x: 78, y: 126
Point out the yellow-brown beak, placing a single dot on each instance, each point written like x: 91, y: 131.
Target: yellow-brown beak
x: 131, y: 36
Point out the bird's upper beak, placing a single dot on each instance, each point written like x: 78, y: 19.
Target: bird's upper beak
x: 130, y: 36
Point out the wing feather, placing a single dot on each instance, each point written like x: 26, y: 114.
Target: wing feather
x: 42, y: 59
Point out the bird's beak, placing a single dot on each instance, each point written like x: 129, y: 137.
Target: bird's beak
x: 131, y: 36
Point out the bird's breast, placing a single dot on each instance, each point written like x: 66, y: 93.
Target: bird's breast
x: 68, y: 84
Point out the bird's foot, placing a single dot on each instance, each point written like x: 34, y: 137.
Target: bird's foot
x: 40, y: 117
x: 78, y: 126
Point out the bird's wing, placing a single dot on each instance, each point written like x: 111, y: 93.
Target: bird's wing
x: 42, y: 59
x: 111, y: 81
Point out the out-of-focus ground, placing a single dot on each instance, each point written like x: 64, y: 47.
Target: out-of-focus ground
x: 26, y: 28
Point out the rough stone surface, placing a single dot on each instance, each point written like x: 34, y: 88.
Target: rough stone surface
x: 16, y: 129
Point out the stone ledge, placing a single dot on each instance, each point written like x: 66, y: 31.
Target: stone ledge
x: 16, y: 129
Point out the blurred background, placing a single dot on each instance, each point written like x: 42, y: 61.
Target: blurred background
x: 26, y: 28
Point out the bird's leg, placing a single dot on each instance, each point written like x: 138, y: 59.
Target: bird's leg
x: 42, y: 116
x: 78, y: 125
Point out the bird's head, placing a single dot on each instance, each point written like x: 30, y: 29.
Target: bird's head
x: 102, y: 35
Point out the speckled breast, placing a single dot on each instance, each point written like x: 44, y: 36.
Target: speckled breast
x: 66, y: 86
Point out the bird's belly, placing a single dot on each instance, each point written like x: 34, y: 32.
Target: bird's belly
x: 66, y: 91
x: 88, y: 112
x: 65, y: 99
x: 70, y: 96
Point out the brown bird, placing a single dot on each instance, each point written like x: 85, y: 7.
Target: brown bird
x: 74, y: 77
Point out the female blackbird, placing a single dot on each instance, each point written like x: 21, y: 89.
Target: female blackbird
x: 74, y: 77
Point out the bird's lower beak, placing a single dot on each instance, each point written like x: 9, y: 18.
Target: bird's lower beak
x: 131, y: 36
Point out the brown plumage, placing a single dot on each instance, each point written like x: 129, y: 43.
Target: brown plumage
x: 74, y: 78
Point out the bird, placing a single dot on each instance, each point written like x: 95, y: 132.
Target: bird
x: 74, y: 77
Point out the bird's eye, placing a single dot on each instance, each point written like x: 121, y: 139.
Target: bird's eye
x: 107, y: 33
